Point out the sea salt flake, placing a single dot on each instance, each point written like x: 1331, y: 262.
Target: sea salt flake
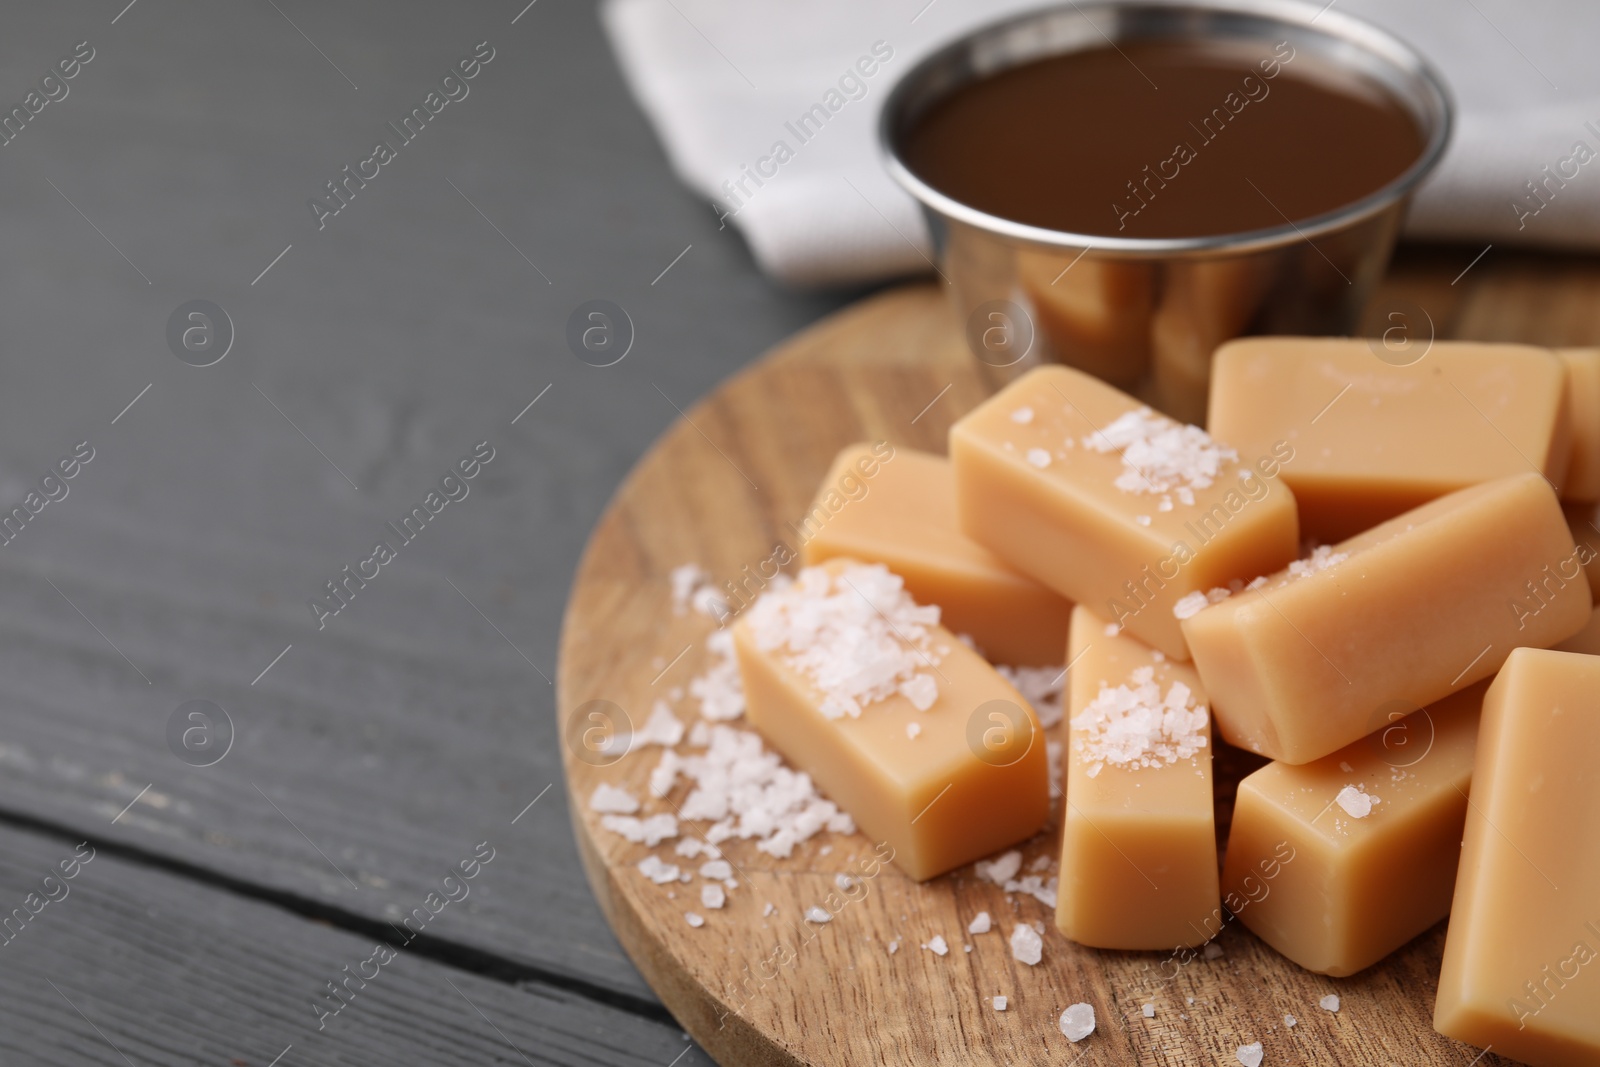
x: 1289, y: 1020
x: 1190, y: 605
x: 716, y: 869
x: 649, y: 832
x: 1149, y: 1011
x: 1039, y: 458
x: 659, y: 872
x: 1356, y: 803
x: 1330, y: 1002
x: 1077, y: 1022
x: 1027, y: 946
x: 937, y: 946
x: 980, y: 924
x: 1322, y: 557
x: 661, y: 728
x: 1001, y: 870
x: 612, y: 800
x: 1212, y: 951
x: 844, y: 882
x: 913, y: 729
x: 999, y: 1003
x: 1249, y: 1055
x: 921, y: 690
x: 685, y: 579
x: 693, y: 920
x: 713, y: 895
x: 818, y: 915
x: 1022, y: 416
x: 770, y: 910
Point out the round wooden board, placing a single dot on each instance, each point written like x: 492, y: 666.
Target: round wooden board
x: 718, y: 489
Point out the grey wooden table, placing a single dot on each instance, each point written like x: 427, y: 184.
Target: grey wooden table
x: 268, y: 791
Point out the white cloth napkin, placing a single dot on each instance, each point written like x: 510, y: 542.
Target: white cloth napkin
x: 725, y: 81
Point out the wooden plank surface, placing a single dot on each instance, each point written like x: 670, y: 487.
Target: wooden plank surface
x: 126, y: 963
x: 719, y: 490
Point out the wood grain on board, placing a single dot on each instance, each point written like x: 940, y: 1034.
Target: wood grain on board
x: 718, y: 489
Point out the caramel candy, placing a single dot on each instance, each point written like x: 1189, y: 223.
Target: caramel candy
x: 903, y: 726
x: 1411, y: 611
x: 1112, y: 505
x: 1138, y: 843
x: 903, y: 515
x: 1375, y: 832
x: 1524, y: 936
x: 1583, y: 406
x: 1372, y: 439
x: 1093, y: 310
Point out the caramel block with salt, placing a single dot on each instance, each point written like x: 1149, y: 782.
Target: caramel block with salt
x: 1583, y: 407
x: 1374, y: 832
x: 900, y: 724
x: 1113, y: 505
x: 1411, y: 611
x: 905, y: 518
x: 1524, y: 940
x: 1372, y: 439
x: 1138, y: 843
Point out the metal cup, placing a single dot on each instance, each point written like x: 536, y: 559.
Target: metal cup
x: 1146, y: 313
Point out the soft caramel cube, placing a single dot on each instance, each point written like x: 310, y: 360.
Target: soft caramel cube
x: 1372, y: 439
x: 1410, y: 611
x: 1524, y: 941
x: 1374, y: 830
x: 1139, y: 840
x: 905, y: 518
x: 903, y: 726
x: 1583, y: 407
x: 1113, y: 505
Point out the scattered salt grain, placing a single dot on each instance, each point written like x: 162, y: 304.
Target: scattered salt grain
x: 1039, y: 458
x: 1330, y: 1002
x: 1139, y: 726
x: 653, y: 868
x: 665, y: 774
x: 1149, y: 1011
x: 980, y: 924
x: 1040, y: 687
x: 612, y: 800
x: 1212, y: 951
x: 818, y: 915
x: 661, y: 728
x: 937, y: 946
x: 1113, y: 629
x: 719, y: 689
x: 1289, y: 1020
x: 999, y: 1003
x: 913, y: 729
x: 1346, y: 768
x: 770, y: 910
x: 857, y: 636
x: 1077, y: 1022
x: 1001, y: 870
x: 1322, y: 557
x: 693, y: 920
x: 716, y: 869
x: 844, y: 882
x: 1022, y: 416
x: 685, y: 580
x: 921, y: 690
x: 1160, y: 455
x: 1027, y: 946
x: 894, y: 946
x: 649, y: 832
x: 1190, y: 605
x: 712, y: 895
x: 1142, y: 520
x: 1356, y: 803
x: 1249, y: 1055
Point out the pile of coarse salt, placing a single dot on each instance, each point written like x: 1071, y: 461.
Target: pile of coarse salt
x: 1139, y: 726
x: 1160, y: 456
x: 858, y: 637
x: 1003, y: 871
